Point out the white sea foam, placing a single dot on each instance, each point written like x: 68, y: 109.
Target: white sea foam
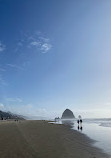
x: 106, y: 124
x: 98, y: 130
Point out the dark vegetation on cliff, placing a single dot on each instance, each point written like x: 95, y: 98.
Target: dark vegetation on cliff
x: 9, y: 115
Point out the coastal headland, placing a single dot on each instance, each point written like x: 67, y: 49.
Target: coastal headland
x: 40, y: 139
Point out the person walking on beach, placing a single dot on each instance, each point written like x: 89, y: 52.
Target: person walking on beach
x: 81, y: 121
x: 78, y: 122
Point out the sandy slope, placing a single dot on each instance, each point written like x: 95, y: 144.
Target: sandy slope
x: 38, y: 139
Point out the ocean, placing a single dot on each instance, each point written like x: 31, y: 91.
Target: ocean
x: 96, y: 129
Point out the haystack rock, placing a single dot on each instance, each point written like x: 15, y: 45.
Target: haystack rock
x: 67, y: 114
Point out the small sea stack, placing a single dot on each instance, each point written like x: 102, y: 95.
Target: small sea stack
x: 67, y: 114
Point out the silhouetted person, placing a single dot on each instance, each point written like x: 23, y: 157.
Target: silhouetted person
x: 78, y: 122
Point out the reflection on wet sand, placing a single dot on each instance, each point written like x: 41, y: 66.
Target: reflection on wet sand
x: 69, y: 123
x: 80, y: 128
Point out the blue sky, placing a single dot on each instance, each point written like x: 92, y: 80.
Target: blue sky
x: 55, y: 55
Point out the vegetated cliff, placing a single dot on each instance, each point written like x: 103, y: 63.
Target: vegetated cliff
x: 9, y: 115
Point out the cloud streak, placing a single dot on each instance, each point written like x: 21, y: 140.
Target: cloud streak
x: 36, y: 41
x: 14, y: 100
x: 41, y: 43
x: 45, y: 47
x: 15, y: 66
x: 2, y: 107
x: 2, y: 81
x: 3, y: 70
x: 2, y: 47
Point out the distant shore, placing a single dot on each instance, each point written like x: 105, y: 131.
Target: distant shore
x: 40, y: 139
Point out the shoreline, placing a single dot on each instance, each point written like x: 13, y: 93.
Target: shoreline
x: 86, y: 139
x: 40, y: 139
x: 98, y: 134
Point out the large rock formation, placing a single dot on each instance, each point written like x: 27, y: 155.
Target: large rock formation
x: 67, y: 114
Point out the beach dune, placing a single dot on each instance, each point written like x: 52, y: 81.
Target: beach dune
x: 40, y: 139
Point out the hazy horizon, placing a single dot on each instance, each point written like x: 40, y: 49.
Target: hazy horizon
x: 55, y: 55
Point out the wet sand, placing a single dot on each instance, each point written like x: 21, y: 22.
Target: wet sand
x: 39, y: 139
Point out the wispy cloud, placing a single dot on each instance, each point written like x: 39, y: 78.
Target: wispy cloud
x: 41, y: 43
x: 2, y: 69
x: 2, y: 47
x: 31, y: 110
x: 14, y: 100
x: 19, y: 46
x: 23, y: 109
x: 2, y: 106
x: 36, y: 41
x: 44, y: 39
x: 2, y: 81
x: 15, y: 66
x: 107, y: 104
x: 45, y: 47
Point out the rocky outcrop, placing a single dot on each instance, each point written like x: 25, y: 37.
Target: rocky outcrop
x: 67, y: 114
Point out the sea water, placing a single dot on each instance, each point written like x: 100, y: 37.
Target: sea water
x: 97, y: 129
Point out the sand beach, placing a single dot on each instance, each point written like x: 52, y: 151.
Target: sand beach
x: 40, y: 139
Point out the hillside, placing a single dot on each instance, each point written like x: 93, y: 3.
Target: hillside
x: 9, y: 115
